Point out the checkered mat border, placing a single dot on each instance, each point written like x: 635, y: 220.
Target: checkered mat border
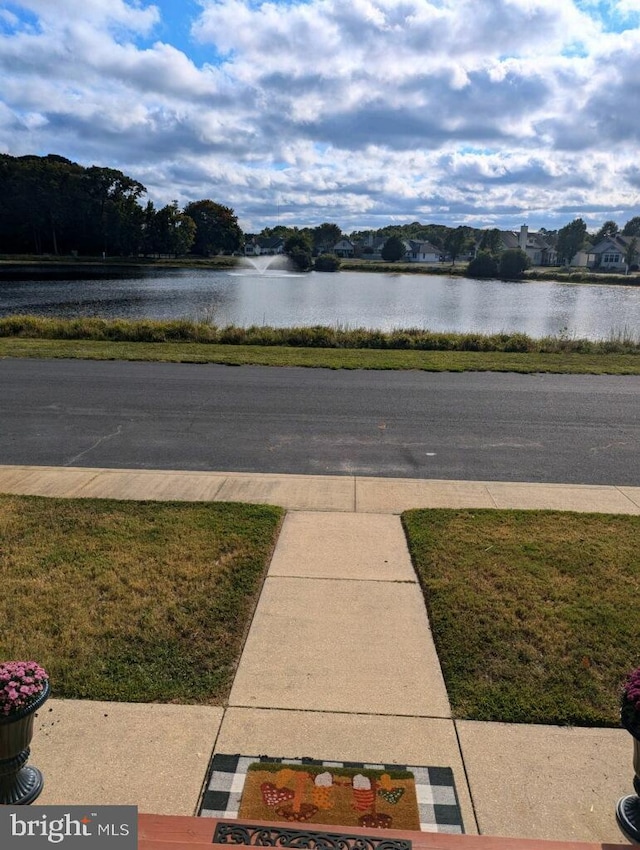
x: 435, y: 789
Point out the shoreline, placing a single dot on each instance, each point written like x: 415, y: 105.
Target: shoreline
x: 52, y: 268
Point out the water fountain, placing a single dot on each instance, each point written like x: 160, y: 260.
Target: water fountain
x: 266, y: 264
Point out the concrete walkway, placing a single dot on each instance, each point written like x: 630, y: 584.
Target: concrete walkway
x: 339, y: 664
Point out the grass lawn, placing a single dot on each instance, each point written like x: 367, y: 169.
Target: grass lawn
x: 535, y: 614
x: 133, y: 601
x: 328, y: 358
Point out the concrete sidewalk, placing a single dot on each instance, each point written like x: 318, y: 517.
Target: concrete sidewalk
x: 339, y: 664
x: 315, y: 492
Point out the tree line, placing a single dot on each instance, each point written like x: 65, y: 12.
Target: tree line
x: 51, y: 205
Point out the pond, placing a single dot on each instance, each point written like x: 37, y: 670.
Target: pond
x: 247, y: 296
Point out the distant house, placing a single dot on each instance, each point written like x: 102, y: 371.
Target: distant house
x: 422, y: 252
x: 251, y: 247
x: 535, y: 245
x: 266, y: 245
x: 580, y: 260
x: 369, y: 247
x: 610, y: 253
x: 344, y: 248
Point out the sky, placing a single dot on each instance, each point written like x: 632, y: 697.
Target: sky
x: 490, y: 113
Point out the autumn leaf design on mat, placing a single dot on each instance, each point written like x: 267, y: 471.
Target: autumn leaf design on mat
x: 388, y: 792
x: 274, y: 796
x: 298, y: 810
x: 393, y: 797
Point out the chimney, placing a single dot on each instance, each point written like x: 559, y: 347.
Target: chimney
x: 522, y: 239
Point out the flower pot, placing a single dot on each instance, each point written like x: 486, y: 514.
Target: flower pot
x: 19, y: 783
x: 628, y: 808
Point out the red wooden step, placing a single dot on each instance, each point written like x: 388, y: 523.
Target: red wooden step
x: 156, y: 832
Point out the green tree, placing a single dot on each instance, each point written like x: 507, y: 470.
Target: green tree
x: 609, y: 228
x: 279, y: 230
x: 491, y: 241
x: 40, y: 203
x: 325, y: 236
x: 484, y: 265
x: 632, y: 227
x: 298, y: 248
x: 513, y: 263
x: 217, y: 228
x: 114, y: 199
x: 436, y: 234
x: 59, y: 206
x: 456, y: 242
x: 173, y: 232
x: 571, y: 238
x: 631, y: 254
x: 147, y: 243
x: 393, y: 249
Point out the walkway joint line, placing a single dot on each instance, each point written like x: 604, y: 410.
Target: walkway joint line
x: 331, y: 711
x: 627, y: 497
x: 466, y: 778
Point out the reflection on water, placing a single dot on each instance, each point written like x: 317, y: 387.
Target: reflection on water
x: 247, y: 296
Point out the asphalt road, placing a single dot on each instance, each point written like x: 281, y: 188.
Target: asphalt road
x: 472, y: 426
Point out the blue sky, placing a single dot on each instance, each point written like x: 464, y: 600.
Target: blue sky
x: 174, y: 27
x: 366, y: 113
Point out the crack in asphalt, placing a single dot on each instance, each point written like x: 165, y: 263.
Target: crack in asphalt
x: 115, y: 433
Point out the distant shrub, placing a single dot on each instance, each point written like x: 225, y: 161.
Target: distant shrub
x: 327, y: 263
x: 513, y: 263
x: 484, y: 265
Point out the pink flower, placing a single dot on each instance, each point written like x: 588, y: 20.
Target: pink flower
x: 21, y: 682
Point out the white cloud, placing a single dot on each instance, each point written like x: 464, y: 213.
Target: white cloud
x: 449, y: 109
x: 629, y: 7
x: 94, y: 12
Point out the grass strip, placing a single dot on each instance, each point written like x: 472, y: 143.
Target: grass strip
x: 316, y: 336
x: 132, y: 601
x: 535, y: 614
x: 326, y: 358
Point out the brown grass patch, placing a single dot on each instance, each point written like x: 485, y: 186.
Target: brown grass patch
x: 137, y: 601
x: 535, y: 614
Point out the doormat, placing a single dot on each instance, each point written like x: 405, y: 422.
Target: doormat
x: 354, y: 796
x: 335, y: 790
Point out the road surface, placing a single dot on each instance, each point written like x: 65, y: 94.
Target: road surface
x: 472, y: 426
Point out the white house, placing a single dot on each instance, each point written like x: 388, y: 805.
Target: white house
x: 534, y: 245
x: 422, y: 252
x: 264, y: 245
x: 611, y: 253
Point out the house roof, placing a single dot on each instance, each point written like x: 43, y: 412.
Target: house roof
x: 535, y: 242
x: 613, y: 243
x: 269, y: 241
x: 510, y: 239
x: 423, y: 247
